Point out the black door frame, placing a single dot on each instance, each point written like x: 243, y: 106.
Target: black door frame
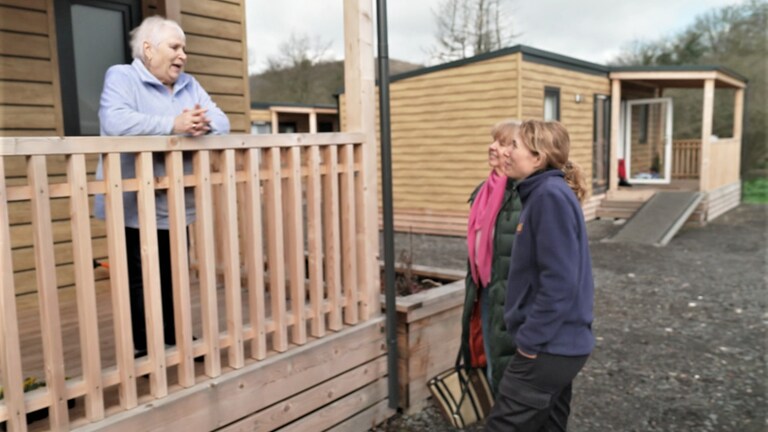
x: 131, y: 10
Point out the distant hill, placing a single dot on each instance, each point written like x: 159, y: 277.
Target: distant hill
x: 307, y: 84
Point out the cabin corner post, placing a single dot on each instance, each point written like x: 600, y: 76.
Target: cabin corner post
x: 738, y: 118
x: 359, y: 85
x: 613, y: 173
x: 706, y: 133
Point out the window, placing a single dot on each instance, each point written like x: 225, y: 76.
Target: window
x: 92, y: 36
x: 551, y: 103
x: 259, y: 128
x: 643, y: 139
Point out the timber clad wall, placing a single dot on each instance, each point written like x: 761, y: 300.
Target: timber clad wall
x: 441, y: 122
x: 218, y: 54
x: 441, y: 125
x: 29, y: 79
x: 578, y: 118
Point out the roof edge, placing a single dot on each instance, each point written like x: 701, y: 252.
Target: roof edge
x: 681, y: 68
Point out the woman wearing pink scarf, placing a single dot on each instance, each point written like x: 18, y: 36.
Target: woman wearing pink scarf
x: 493, y: 216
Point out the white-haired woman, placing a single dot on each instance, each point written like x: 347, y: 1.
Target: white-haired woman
x: 153, y: 96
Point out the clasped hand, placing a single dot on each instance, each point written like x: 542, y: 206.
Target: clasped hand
x: 192, y: 122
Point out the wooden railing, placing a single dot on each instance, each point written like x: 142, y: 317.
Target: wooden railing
x: 280, y: 236
x: 686, y: 159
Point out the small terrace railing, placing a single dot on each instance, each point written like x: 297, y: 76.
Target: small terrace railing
x: 277, y: 256
x: 686, y: 159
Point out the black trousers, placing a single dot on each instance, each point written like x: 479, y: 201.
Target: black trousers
x: 535, y: 394
x: 136, y: 287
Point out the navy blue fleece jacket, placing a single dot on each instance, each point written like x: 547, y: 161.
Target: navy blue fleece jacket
x: 550, y: 289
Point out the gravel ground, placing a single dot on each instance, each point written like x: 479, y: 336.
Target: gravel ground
x: 681, y: 330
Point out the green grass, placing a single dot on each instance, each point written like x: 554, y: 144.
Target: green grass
x: 755, y: 191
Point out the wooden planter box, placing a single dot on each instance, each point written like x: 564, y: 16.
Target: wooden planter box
x: 428, y: 338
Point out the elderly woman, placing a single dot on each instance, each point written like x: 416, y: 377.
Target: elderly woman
x: 493, y: 215
x: 153, y: 96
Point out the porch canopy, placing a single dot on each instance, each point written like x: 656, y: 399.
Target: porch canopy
x: 726, y: 151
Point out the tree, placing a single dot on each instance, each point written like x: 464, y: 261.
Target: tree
x: 731, y: 36
x: 467, y: 28
x: 300, y: 73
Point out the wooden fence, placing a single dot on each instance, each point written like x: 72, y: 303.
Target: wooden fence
x: 280, y: 237
x: 686, y: 159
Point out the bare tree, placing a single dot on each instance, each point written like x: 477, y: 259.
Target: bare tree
x: 466, y: 28
x: 299, y: 50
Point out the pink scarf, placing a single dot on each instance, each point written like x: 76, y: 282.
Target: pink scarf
x: 482, y: 220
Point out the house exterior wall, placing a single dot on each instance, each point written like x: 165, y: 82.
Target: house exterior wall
x: 441, y: 124
x: 30, y: 104
x: 577, y: 117
x: 218, y: 55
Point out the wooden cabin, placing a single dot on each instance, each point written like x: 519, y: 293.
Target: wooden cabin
x: 275, y: 284
x: 441, y: 118
x: 293, y: 118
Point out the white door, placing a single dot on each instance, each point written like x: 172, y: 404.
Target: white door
x: 648, y: 141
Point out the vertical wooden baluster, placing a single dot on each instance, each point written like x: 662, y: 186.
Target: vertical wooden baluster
x: 367, y: 264
x: 150, y: 269
x: 118, y: 276
x: 275, y: 249
x: 10, y: 348
x: 254, y: 255
x: 349, y: 234
x: 182, y: 304
x: 206, y: 260
x: 232, y: 261
x: 294, y: 238
x: 315, y: 241
x: 47, y: 289
x: 332, y: 235
x: 82, y: 255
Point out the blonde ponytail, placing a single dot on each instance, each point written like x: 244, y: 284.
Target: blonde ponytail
x: 574, y: 176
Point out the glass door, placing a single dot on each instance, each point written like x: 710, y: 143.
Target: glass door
x: 92, y: 36
x: 601, y: 143
x: 648, y: 141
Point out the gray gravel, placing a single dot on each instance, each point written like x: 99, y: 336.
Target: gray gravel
x: 681, y: 330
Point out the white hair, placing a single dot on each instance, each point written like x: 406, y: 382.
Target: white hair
x: 152, y: 30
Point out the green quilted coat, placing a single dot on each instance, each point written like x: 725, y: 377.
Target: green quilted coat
x: 501, y: 344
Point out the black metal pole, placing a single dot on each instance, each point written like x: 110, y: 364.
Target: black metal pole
x: 386, y: 197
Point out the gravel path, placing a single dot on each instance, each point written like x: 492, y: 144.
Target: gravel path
x: 681, y: 330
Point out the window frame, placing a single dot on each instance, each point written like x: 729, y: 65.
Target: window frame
x: 551, y: 92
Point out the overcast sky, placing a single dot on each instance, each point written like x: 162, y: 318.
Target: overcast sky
x: 593, y: 30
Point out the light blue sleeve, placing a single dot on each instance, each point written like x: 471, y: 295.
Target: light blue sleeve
x: 219, y: 120
x: 117, y: 113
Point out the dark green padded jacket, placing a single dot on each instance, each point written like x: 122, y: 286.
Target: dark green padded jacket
x: 501, y: 344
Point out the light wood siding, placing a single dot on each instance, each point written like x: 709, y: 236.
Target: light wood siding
x: 218, y: 54
x: 29, y: 87
x: 578, y: 118
x: 441, y: 124
x: 261, y: 115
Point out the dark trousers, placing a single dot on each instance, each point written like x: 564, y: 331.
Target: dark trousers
x: 535, y: 394
x: 136, y: 287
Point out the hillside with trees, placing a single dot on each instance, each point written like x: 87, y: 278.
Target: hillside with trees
x: 308, y: 82
x: 734, y: 37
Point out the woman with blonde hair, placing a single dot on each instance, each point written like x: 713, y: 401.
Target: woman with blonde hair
x: 494, y: 209
x: 550, y: 289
